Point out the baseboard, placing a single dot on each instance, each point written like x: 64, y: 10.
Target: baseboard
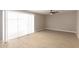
x: 60, y: 30
x: 39, y: 30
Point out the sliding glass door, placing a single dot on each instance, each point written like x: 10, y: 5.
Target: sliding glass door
x: 18, y: 24
x: 11, y: 25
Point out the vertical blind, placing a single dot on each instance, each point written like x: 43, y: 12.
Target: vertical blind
x: 19, y: 24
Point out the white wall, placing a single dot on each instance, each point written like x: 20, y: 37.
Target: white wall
x: 39, y: 22
x: 0, y: 24
x: 62, y: 22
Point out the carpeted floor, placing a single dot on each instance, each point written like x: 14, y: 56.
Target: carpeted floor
x: 44, y: 39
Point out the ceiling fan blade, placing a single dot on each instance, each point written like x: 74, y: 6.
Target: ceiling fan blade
x: 53, y: 12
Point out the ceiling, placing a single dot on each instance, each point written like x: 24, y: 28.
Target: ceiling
x: 40, y: 11
x: 46, y: 12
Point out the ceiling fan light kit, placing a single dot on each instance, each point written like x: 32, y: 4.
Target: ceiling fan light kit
x: 53, y: 12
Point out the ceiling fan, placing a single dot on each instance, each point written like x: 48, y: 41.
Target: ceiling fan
x: 53, y: 12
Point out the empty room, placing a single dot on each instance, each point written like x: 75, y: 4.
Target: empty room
x: 39, y: 28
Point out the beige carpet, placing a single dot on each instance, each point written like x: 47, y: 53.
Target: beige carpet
x: 45, y: 39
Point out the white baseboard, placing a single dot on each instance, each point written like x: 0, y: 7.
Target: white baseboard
x: 61, y: 30
x: 39, y: 30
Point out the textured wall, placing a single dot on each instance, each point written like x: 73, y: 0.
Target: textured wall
x: 62, y: 22
x: 39, y: 22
